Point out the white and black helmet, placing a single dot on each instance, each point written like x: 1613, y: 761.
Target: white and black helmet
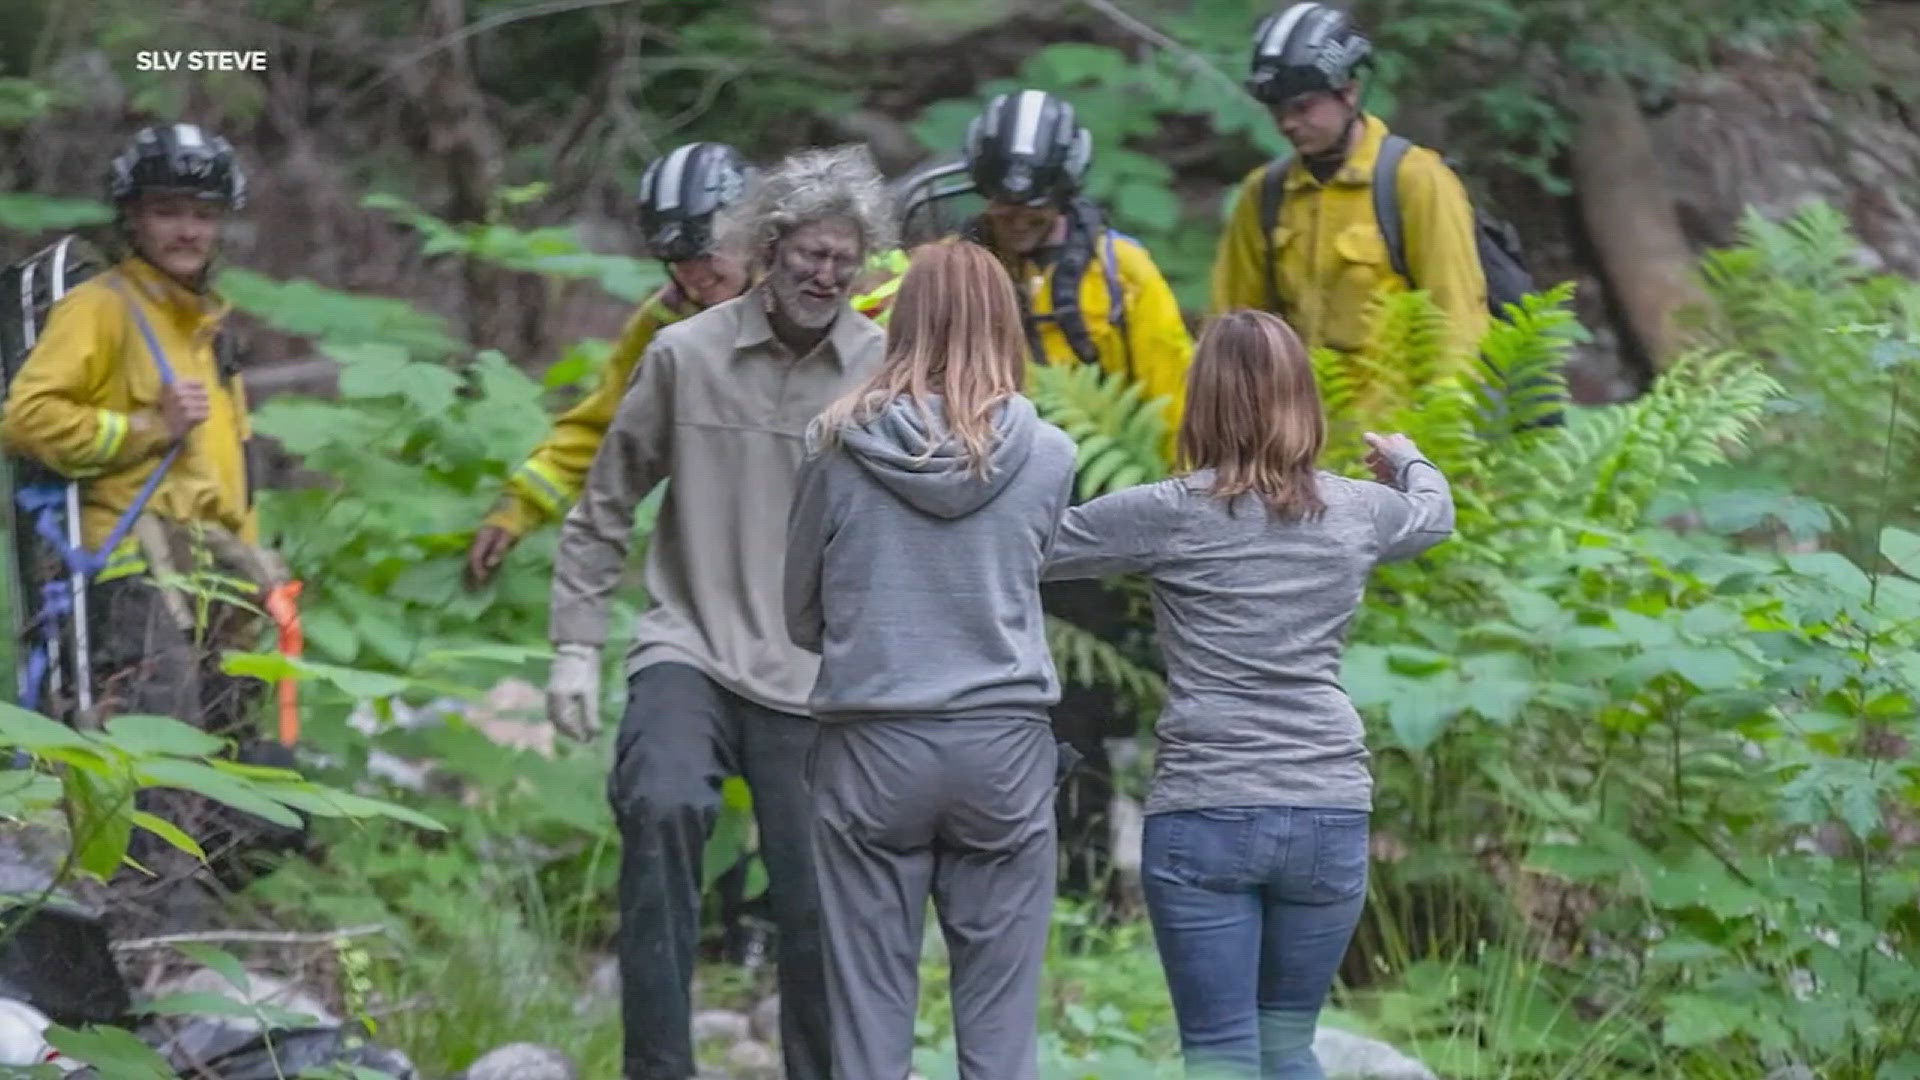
x: 177, y: 158
x: 1307, y: 48
x: 681, y: 193
x: 1028, y: 147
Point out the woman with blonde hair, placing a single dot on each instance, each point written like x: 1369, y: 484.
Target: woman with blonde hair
x: 927, y: 506
x: 1254, y: 856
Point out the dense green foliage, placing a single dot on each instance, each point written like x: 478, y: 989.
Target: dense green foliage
x: 1644, y: 730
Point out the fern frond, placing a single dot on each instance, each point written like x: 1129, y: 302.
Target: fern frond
x: 1524, y: 356
x: 1607, y: 466
x: 1407, y: 348
x: 1083, y: 658
x: 1121, y: 435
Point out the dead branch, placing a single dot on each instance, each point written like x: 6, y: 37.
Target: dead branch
x: 249, y: 937
x: 1140, y: 29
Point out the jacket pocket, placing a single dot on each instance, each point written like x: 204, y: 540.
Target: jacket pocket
x: 1363, y: 267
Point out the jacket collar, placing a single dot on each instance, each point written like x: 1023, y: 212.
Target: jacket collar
x: 190, y: 308
x: 755, y: 329
x: 1356, y: 171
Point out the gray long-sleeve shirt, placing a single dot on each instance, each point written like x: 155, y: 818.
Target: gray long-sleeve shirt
x: 1252, y: 615
x: 721, y: 406
x: 917, y: 580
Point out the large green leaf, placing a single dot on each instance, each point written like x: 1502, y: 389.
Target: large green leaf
x: 32, y: 732
x: 215, y: 785
x: 219, y: 961
x: 100, y: 820
x: 201, y: 1003
x: 329, y: 803
x: 1902, y: 549
x: 27, y: 213
x: 1698, y: 1020
x: 113, y: 1051
x: 147, y: 735
x: 304, y: 309
x: 168, y: 831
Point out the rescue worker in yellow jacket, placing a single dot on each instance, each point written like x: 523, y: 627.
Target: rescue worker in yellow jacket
x: 1089, y: 295
x: 127, y: 379
x: 679, y: 196
x: 1325, y: 256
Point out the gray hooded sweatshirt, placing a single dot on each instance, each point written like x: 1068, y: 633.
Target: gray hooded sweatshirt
x: 917, y: 580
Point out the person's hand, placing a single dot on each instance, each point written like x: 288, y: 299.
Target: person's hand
x: 573, y: 691
x: 184, y: 406
x: 1388, y: 454
x: 490, y: 547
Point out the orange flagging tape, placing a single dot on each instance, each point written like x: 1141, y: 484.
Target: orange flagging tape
x: 283, y: 603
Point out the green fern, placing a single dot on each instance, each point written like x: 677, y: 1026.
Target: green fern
x: 1605, y: 468
x: 1841, y: 339
x: 1121, y: 434
x: 1406, y: 379
x: 1524, y: 355
x: 1087, y: 660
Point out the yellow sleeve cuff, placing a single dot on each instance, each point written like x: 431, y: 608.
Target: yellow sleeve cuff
x: 514, y: 514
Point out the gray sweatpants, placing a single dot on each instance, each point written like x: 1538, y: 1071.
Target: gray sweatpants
x: 961, y: 810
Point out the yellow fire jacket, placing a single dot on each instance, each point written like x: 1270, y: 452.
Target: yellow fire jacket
x: 542, y: 487
x: 73, y: 404
x: 1331, y: 258
x: 1154, y: 348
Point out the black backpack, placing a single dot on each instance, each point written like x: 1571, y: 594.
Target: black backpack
x: 1499, y: 244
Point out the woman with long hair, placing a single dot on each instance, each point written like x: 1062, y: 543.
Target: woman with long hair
x: 1255, y: 846
x: 925, y: 511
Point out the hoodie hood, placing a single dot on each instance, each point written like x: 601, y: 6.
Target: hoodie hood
x: 893, y: 447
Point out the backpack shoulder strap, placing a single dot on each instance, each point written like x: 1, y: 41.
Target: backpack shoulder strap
x: 1386, y: 200
x: 1273, y: 188
x: 1117, y: 295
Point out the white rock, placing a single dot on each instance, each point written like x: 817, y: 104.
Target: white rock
x: 606, y: 977
x: 721, y: 1026
x: 23, y: 1037
x: 261, y: 989
x: 1346, y: 1056
x: 1125, y: 826
x: 522, y: 1061
x: 398, y: 771
x: 751, y: 1060
x: 766, y: 1020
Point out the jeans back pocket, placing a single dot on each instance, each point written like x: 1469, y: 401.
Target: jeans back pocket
x: 1339, y: 853
x: 1208, y: 849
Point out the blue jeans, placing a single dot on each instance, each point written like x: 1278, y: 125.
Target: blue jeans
x: 1253, y: 908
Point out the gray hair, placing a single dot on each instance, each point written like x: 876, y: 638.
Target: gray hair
x: 808, y: 187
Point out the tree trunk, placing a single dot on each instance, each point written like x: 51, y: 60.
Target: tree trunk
x: 504, y: 309
x: 1631, y: 220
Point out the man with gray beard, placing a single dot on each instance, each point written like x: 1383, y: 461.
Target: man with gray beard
x: 721, y: 402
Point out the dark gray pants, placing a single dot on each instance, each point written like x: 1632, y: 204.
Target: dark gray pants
x: 683, y: 735
x: 961, y: 810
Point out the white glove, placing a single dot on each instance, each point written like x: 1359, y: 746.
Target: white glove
x: 573, y: 691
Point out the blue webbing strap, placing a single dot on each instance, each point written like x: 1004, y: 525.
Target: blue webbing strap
x: 44, y: 502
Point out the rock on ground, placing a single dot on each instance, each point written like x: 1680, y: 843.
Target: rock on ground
x: 1346, y: 1056
x: 603, y: 986
x: 766, y: 1020
x: 261, y: 990
x: 721, y: 1026
x: 750, y: 1060
x: 522, y: 1061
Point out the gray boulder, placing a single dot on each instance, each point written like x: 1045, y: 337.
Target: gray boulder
x: 522, y: 1061
x: 1346, y: 1056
